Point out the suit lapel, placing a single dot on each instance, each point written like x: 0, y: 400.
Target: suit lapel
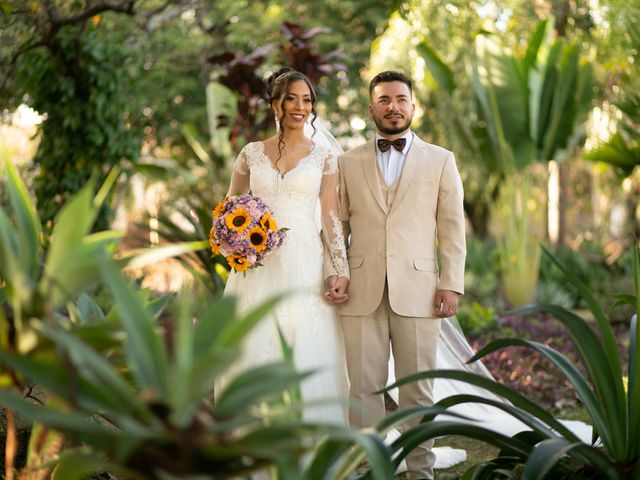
x: 410, y: 169
x: 370, y: 167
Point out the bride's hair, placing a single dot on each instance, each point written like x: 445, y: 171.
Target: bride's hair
x: 277, y: 87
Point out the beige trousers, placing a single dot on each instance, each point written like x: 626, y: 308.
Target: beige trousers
x: 414, y: 341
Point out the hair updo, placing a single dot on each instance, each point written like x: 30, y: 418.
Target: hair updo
x: 278, y: 85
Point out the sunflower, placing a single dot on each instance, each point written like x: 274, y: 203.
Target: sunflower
x: 267, y: 222
x: 212, y: 243
x: 238, y: 263
x: 258, y: 238
x: 238, y: 220
x: 219, y: 208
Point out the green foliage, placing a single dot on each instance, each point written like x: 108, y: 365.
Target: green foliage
x: 551, y: 449
x: 475, y: 319
x: 481, y: 270
x: 80, y: 83
x: 130, y: 389
x: 619, y: 152
x: 188, y: 220
x: 522, y: 107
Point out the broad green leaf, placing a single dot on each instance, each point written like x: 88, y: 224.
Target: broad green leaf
x: 422, y: 432
x: 624, y: 299
x: 54, y: 377
x: 617, y: 152
x: 14, y: 275
x: 108, y: 183
x: 80, y: 271
x: 509, y: 394
x: 549, y: 452
x: 150, y: 256
x: 325, y: 456
x: 589, y: 400
x: 608, y: 387
x: 563, y: 107
x: 503, y: 100
x: 532, y: 421
x: 234, y: 332
x: 96, y: 370
x: 71, y: 423
x: 28, y: 223
x: 198, y: 383
x: 218, y: 317
x: 438, y: 69
x: 403, y: 415
x: 608, y: 338
x: 533, y: 47
x: 182, y: 365
x: 368, y: 445
x: 251, y: 387
x: 72, y: 224
x: 145, y: 350
x: 88, y: 310
x: 81, y: 463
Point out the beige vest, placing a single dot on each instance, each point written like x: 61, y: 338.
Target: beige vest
x: 388, y: 193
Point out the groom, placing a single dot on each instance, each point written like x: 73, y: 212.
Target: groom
x: 400, y: 199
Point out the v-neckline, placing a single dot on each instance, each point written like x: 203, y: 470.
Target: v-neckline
x: 272, y: 166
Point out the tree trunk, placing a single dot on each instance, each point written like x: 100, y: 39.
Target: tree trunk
x: 478, y: 215
x: 632, y: 204
x: 563, y: 177
x: 561, y: 12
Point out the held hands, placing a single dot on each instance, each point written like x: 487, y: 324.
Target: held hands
x: 336, y: 292
x: 445, y: 303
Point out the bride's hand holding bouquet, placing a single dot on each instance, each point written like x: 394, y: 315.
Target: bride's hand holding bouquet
x: 244, y: 231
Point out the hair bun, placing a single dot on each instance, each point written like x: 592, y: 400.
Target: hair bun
x: 274, y: 77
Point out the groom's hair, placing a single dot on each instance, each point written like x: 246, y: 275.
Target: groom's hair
x: 390, y: 76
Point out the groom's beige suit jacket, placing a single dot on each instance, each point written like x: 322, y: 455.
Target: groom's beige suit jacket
x: 398, y: 241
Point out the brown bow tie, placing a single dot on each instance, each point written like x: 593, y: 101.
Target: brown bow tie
x: 398, y: 144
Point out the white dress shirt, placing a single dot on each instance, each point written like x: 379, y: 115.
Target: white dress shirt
x: 392, y: 161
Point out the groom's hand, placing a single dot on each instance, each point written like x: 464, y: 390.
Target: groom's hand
x: 446, y: 303
x: 336, y: 292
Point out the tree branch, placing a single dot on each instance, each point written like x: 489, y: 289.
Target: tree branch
x: 125, y: 6
x: 159, y: 16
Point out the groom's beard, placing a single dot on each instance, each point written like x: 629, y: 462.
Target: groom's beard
x: 394, y: 130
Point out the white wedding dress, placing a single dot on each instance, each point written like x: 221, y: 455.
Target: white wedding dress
x: 307, y: 322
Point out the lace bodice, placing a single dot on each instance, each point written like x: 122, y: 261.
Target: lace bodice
x: 295, y: 194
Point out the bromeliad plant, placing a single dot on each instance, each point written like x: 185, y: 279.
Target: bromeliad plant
x: 117, y: 395
x: 550, y: 448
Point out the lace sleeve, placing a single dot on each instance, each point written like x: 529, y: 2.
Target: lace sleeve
x: 332, y: 229
x: 240, y: 175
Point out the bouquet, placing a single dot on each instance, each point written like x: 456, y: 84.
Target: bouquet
x: 244, y: 231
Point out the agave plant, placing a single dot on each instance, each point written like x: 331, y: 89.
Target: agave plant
x: 550, y: 448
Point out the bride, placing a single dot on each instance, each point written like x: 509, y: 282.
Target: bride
x: 292, y: 174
